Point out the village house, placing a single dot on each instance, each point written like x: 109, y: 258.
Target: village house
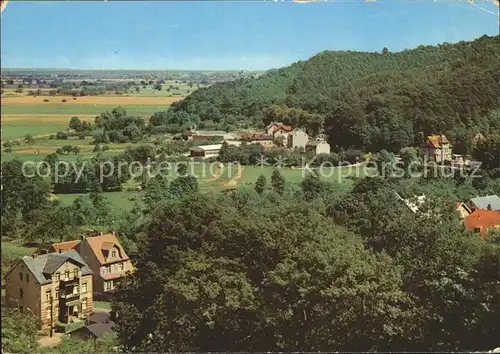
x: 277, y: 130
x: 462, y: 209
x: 207, y: 151
x: 105, y: 256
x: 482, y: 220
x: 319, y: 146
x: 489, y: 202
x: 437, y: 148
x: 98, y: 324
x: 211, y: 135
x: 55, y: 287
x: 297, y: 139
x: 254, y: 137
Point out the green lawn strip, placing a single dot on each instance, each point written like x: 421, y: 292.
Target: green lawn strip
x: 102, y: 305
x: 124, y: 200
x: 76, y: 109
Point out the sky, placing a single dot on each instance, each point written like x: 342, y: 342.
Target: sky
x: 224, y: 35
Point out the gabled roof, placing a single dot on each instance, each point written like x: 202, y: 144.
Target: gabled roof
x: 99, y: 329
x: 315, y: 142
x: 98, y: 244
x: 65, y: 246
x: 210, y: 132
x: 459, y: 205
x: 436, y: 141
x: 485, y: 202
x: 44, y: 265
x: 276, y: 127
x: 99, y: 317
x: 483, y: 220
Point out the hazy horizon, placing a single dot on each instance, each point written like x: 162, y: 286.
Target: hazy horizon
x: 223, y: 36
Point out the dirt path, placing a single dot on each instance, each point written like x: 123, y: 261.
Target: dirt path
x: 234, y: 181
x: 218, y: 173
x: 50, y: 342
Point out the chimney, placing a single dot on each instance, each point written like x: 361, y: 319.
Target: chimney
x: 113, y: 233
x: 59, y: 250
x: 33, y: 255
x: 82, y: 237
x: 102, y: 233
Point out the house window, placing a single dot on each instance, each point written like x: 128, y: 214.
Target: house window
x: 66, y: 274
x: 21, y: 276
x: 57, y: 293
x: 75, y: 272
x: 108, y: 269
x: 21, y: 293
x: 84, y: 304
x: 84, y: 287
x: 75, y: 290
x: 58, y: 276
x: 27, y: 278
x: 477, y: 229
x: 113, y: 253
x: 48, y: 295
x: 49, y: 313
x: 108, y: 285
x: 120, y: 266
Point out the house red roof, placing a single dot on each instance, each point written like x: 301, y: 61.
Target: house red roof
x: 65, y: 246
x: 481, y: 220
x: 276, y: 127
x: 436, y: 141
x: 255, y: 136
x: 98, y: 244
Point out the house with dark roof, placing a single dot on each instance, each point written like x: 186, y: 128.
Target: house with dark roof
x: 318, y: 146
x: 489, y: 202
x: 93, y: 331
x: 437, y: 148
x: 106, y: 257
x: 53, y: 287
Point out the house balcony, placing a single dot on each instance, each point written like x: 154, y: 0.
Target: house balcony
x: 69, y: 298
x: 64, y: 281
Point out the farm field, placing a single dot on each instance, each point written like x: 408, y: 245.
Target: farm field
x: 122, y: 100
x: 15, y: 126
x: 77, y: 109
x: 37, y: 150
x: 22, y: 114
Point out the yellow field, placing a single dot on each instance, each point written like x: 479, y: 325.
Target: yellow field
x: 44, y: 118
x: 93, y: 100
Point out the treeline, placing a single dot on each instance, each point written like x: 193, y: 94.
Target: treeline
x: 310, y: 267
x: 367, y: 101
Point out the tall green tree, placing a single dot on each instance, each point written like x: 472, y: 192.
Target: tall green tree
x: 260, y: 184
x: 278, y: 182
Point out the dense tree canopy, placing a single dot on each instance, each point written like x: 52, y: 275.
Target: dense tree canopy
x: 363, y: 100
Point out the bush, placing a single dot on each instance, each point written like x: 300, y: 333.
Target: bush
x: 74, y: 98
x: 64, y: 100
x: 62, y: 136
x: 105, y: 148
x: 46, y: 100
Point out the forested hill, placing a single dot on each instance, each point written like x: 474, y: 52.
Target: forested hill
x: 366, y: 100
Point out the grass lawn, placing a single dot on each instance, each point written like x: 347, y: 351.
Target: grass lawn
x: 124, y: 200
x: 21, y: 129
x: 102, y: 305
x: 15, y: 250
x: 331, y: 174
x: 76, y: 109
